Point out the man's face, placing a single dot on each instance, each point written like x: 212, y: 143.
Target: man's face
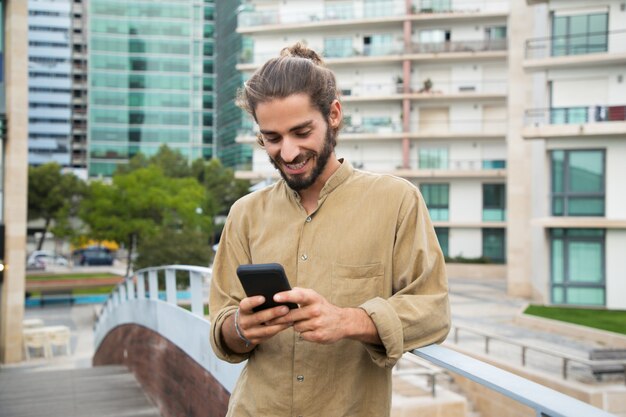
x: 297, y: 138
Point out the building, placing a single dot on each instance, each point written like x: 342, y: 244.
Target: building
x: 229, y: 117
x: 424, y: 91
x: 13, y: 173
x: 50, y: 82
x: 150, y: 80
x: 78, y: 41
x: 575, y: 124
x: 509, y: 116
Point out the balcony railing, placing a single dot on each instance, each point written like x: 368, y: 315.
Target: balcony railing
x: 575, y: 115
x: 373, y: 10
x: 139, y: 301
x: 434, y: 88
x: 459, y: 46
x: 578, y: 44
x: 458, y: 127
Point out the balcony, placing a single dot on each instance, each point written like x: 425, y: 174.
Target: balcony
x: 357, y: 14
x: 579, y: 121
x: 586, y: 49
x: 459, y: 46
x: 435, y: 90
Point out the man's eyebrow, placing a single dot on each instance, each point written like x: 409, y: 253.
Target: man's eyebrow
x: 296, y: 127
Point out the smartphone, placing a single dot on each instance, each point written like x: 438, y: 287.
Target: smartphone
x: 265, y: 280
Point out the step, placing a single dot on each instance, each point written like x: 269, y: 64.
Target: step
x: 101, y: 391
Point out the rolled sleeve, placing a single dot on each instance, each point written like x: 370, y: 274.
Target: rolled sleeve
x: 389, y: 329
x: 219, y: 347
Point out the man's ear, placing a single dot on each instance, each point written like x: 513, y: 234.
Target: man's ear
x: 335, y: 115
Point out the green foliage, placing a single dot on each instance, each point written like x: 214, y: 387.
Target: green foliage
x: 220, y: 181
x: 464, y: 260
x: 54, y: 197
x: 610, y: 320
x: 172, y: 163
x: 170, y: 246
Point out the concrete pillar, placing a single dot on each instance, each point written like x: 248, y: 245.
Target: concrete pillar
x: 15, y: 179
x: 519, y: 162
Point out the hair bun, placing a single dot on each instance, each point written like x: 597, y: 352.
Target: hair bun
x: 299, y: 50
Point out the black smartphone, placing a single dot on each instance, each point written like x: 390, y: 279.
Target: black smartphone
x: 265, y: 280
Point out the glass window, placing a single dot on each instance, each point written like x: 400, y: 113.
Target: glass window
x: 494, y: 202
x: 339, y: 10
x: 338, y: 47
x: 435, y: 6
x: 433, y: 158
x: 579, y: 34
x: 436, y: 197
x: 578, y: 183
x: 443, y: 237
x: 378, y: 8
x: 577, y: 275
x: 494, y: 245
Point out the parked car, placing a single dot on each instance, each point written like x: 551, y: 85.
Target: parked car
x: 93, y: 256
x: 42, y: 258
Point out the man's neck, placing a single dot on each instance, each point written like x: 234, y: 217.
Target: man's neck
x: 309, y: 196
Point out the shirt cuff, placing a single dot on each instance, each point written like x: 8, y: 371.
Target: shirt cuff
x: 219, y: 347
x: 389, y: 329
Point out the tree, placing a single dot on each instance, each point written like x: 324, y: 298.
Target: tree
x: 138, y: 204
x: 172, y: 163
x: 53, y: 197
x: 221, y: 182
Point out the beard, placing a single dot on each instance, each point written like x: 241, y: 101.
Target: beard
x: 301, y: 181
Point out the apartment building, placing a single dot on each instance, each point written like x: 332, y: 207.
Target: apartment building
x: 78, y: 42
x: 49, y: 72
x: 424, y: 92
x: 150, y: 80
x: 509, y: 116
x: 575, y: 123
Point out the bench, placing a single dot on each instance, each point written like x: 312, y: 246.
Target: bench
x: 608, y: 354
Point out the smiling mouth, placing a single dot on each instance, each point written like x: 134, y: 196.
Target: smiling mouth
x: 298, y: 166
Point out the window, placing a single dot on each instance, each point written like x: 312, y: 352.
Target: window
x: 494, y: 202
x: 443, y: 237
x: 435, y: 6
x: 437, y: 198
x: 339, y: 10
x: 338, y: 47
x: 580, y: 34
x: 577, y: 266
x: 433, y: 158
x: 578, y: 183
x: 495, y: 33
x: 378, y: 8
x: 377, y: 45
x: 494, y: 245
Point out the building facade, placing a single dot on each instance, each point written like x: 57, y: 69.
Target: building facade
x: 509, y: 116
x: 150, y: 80
x: 229, y: 118
x: 575, y: 121
x: 49, y: 82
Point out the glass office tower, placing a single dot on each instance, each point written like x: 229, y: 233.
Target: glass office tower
x: 229, y: 79
x: 151, y: 80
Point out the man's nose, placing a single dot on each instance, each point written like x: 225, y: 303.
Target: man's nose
x: 289, y: 150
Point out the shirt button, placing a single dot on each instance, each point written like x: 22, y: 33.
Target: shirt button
x: 304, y: 257
x: 300, y: 378
x: 308, y: 219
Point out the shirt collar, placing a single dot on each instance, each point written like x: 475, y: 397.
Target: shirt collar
x: 339, y: 177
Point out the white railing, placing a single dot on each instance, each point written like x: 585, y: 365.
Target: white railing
x: 139, y: 300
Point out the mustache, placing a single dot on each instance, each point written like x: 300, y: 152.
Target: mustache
x: 298, y: 159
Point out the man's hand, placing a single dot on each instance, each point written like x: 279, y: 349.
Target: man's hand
x: 255, y: 327
x: 317, y: 320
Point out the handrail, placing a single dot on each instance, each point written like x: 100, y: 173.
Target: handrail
x: 132, y: 303
x: 545, y: 401
x: 566, y: 357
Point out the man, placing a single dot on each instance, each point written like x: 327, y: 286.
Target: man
x: 358, y: 248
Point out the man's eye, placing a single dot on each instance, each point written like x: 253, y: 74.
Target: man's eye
x: 271, y: 139
x: 303, y: 134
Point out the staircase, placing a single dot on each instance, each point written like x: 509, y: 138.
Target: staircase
x: 101, y: 391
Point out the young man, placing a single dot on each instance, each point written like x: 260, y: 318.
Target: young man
x: 358, y: 248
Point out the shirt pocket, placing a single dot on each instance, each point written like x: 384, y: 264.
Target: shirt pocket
x: 352, y: 285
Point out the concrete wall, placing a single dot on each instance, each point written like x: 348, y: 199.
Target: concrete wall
x: 174, y: 382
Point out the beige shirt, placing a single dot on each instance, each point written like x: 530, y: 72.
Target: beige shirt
x: 370, y: 243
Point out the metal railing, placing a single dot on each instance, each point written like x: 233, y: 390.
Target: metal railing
x: 373, y: 10
x: 459, y: 46
x: 565, y: 358
x: 138, y: 300
x: 575, y: 115
x: 576, y: 44
x: 434, y: 87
